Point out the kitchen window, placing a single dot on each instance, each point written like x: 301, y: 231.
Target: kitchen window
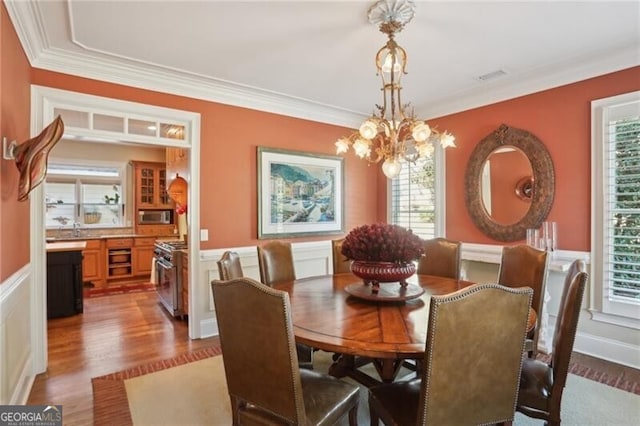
x: 615, y: 274
x: 417, y: 196
x: 87, y: 195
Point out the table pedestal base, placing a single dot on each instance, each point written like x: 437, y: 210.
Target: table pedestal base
x: 349, y: 366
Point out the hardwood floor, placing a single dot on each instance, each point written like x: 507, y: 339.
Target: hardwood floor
x: 114, y: 333
x: 118, y: 332
x: 605, y: 367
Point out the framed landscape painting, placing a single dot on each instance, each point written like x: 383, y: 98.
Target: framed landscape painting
x: 299, y: 194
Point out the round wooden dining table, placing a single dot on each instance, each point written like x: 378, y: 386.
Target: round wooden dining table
x: 361, y: 331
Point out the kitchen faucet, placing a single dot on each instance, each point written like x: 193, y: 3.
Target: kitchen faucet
x: 76, y: 229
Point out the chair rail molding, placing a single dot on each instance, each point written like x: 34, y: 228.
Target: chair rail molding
x: 491, y: 253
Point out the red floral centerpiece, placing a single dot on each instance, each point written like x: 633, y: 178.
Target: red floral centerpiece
x: 382, y: 253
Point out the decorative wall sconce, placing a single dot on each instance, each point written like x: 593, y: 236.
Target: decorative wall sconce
x: 31, y: 156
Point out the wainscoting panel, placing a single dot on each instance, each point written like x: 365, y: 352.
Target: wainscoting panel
x: 16, y: 374
x: 310, y: 259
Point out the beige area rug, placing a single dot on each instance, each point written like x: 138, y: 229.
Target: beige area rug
x: 195, y: 394
x: 192, y: 398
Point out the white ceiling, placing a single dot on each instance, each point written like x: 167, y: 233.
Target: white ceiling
x: 315, y: 59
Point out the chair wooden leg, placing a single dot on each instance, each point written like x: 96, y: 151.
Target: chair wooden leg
x: 554, y: 418
x: 373, y: 416
x: 236, y: 405
x: 374, y: 420
x: 353, y: 416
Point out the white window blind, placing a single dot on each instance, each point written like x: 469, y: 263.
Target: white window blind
x: 413, y: 198
x: 622, y: 217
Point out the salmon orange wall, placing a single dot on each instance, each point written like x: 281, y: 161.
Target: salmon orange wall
x: 14, y: 124
x: 229, y: 140
x: 230, y: 135
x: 561, y: 119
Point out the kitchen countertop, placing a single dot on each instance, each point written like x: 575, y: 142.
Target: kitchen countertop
x: 66, y: 246
x: 104, y: 237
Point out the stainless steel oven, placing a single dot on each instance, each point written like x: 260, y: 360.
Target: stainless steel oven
x: 168, y: 263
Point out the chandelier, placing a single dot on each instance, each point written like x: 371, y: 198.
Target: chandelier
x: 393, y: 133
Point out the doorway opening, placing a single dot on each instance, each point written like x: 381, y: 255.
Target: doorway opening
x: 96, y: 119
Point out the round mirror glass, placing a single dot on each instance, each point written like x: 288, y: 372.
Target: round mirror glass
x: 506, y: 185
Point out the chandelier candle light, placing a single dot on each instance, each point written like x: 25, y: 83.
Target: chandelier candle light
x: 394, y: 134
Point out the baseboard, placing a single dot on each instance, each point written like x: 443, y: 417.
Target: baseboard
x: 608, y: 349
x: 21, y: 393
x: 208, y: 328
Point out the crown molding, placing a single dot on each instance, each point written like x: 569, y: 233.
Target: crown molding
x: 162, y: 80
x: 533, y: 81
x: 27, y: 19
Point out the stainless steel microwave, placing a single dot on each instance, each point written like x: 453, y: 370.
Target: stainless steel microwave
x: 155, y: 217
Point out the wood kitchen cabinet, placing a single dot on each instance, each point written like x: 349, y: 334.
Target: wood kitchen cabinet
x: 151, y: 186
x: 143, y: 255
x: 150, y: 195
x: 93, y: 264
x: 158, y: 230
x: 119, y: 258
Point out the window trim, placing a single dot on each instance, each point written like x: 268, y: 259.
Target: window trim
x: 601, y: 307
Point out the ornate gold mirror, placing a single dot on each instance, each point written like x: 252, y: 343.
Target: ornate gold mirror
x: 509, y: 183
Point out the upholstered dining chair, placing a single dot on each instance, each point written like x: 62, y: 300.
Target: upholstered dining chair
x: 273, y: 391
x: 470, y: 379
x: 441, y: 258
x: 340, y: 263
x: 275, y: 260
x: 542, y: 383
x: 521, y: 266
x: 229, y: 266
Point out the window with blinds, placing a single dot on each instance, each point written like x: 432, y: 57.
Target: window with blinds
x: 622, y: 229
x: 616, y: 212
x: 413, y: 198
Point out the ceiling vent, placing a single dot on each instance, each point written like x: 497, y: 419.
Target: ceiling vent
x: 492, y: 75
